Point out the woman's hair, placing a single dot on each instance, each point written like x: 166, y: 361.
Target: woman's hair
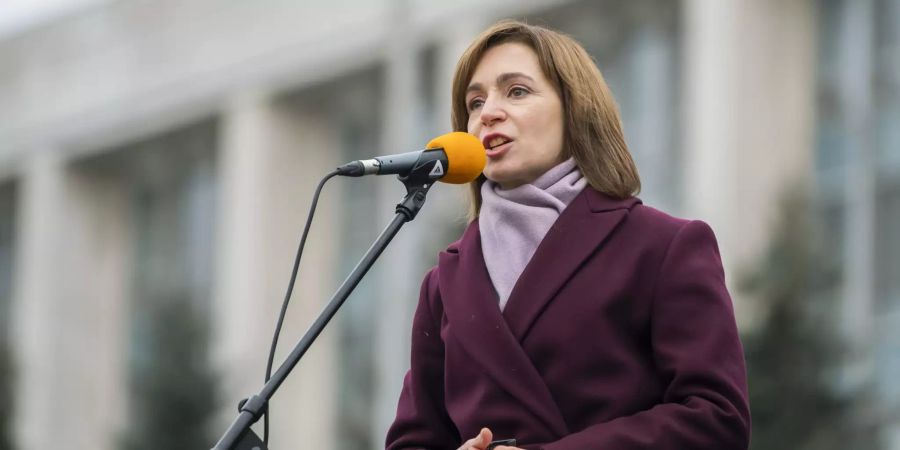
x: 592, y: 132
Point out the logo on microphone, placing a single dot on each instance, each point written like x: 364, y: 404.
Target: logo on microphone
x: 437, y: 171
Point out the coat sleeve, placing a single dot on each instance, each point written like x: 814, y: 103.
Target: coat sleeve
x: 697, y: 352
x: 422, y: 421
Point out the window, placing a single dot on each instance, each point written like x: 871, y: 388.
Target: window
x: 636, y: 45
x: 858, y: 172
x: 7, y: 223
x: 886, y: 117
x: 171, y: 188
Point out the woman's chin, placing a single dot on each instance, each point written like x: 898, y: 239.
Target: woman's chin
x: 504, y: 180
x: 499, y: 172
x: 495, y: 175
x: 506, y: 173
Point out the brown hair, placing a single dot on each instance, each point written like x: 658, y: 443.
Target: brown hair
x: 592, y: 132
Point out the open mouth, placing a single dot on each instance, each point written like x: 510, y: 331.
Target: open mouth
x: 496, y: 144
x: 497, y: 141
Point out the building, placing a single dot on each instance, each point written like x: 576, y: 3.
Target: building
x: 170, y: 149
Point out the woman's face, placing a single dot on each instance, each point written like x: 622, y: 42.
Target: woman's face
x: 516, y: 113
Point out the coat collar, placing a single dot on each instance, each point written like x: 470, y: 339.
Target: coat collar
x: 493, y: 339
x: 575, y: 235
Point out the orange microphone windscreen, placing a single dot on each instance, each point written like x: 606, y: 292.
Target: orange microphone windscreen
x: 465, y: 156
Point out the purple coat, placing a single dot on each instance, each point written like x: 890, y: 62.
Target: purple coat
x: 618, y: 335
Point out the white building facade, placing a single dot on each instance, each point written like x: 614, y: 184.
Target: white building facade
x: 170, y: 149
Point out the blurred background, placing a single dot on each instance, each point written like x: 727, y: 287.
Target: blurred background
x: 157, y: 159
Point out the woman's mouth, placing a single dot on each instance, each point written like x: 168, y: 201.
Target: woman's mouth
x: 496, y: 145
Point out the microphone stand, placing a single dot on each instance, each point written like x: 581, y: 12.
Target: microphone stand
x: 239, y: 436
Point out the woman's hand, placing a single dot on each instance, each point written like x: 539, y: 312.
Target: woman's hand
x: 479, y: 442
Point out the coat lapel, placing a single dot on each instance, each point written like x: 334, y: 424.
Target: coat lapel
x: 472, y: 310
x: 493, y: 339
x: 575, y: 236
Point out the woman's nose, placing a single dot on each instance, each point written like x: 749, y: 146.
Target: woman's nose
x: 492, y: 111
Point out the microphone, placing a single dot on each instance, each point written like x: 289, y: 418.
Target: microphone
x: 455, y: 158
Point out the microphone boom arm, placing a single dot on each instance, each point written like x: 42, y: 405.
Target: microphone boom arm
x: 239, y: 436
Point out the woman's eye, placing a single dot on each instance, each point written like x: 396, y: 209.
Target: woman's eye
x: 518, y: 92
x: 475, y: 104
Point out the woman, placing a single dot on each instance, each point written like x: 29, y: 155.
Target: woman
x: 569, y: 315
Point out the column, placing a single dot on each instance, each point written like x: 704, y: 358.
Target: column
x: 270, y: 160
x: 857, y: 51
x: 750, y: 112
x: 36, y: 302
x: 711, y: 119
x: 69, y: 307
x: 396, y: 269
